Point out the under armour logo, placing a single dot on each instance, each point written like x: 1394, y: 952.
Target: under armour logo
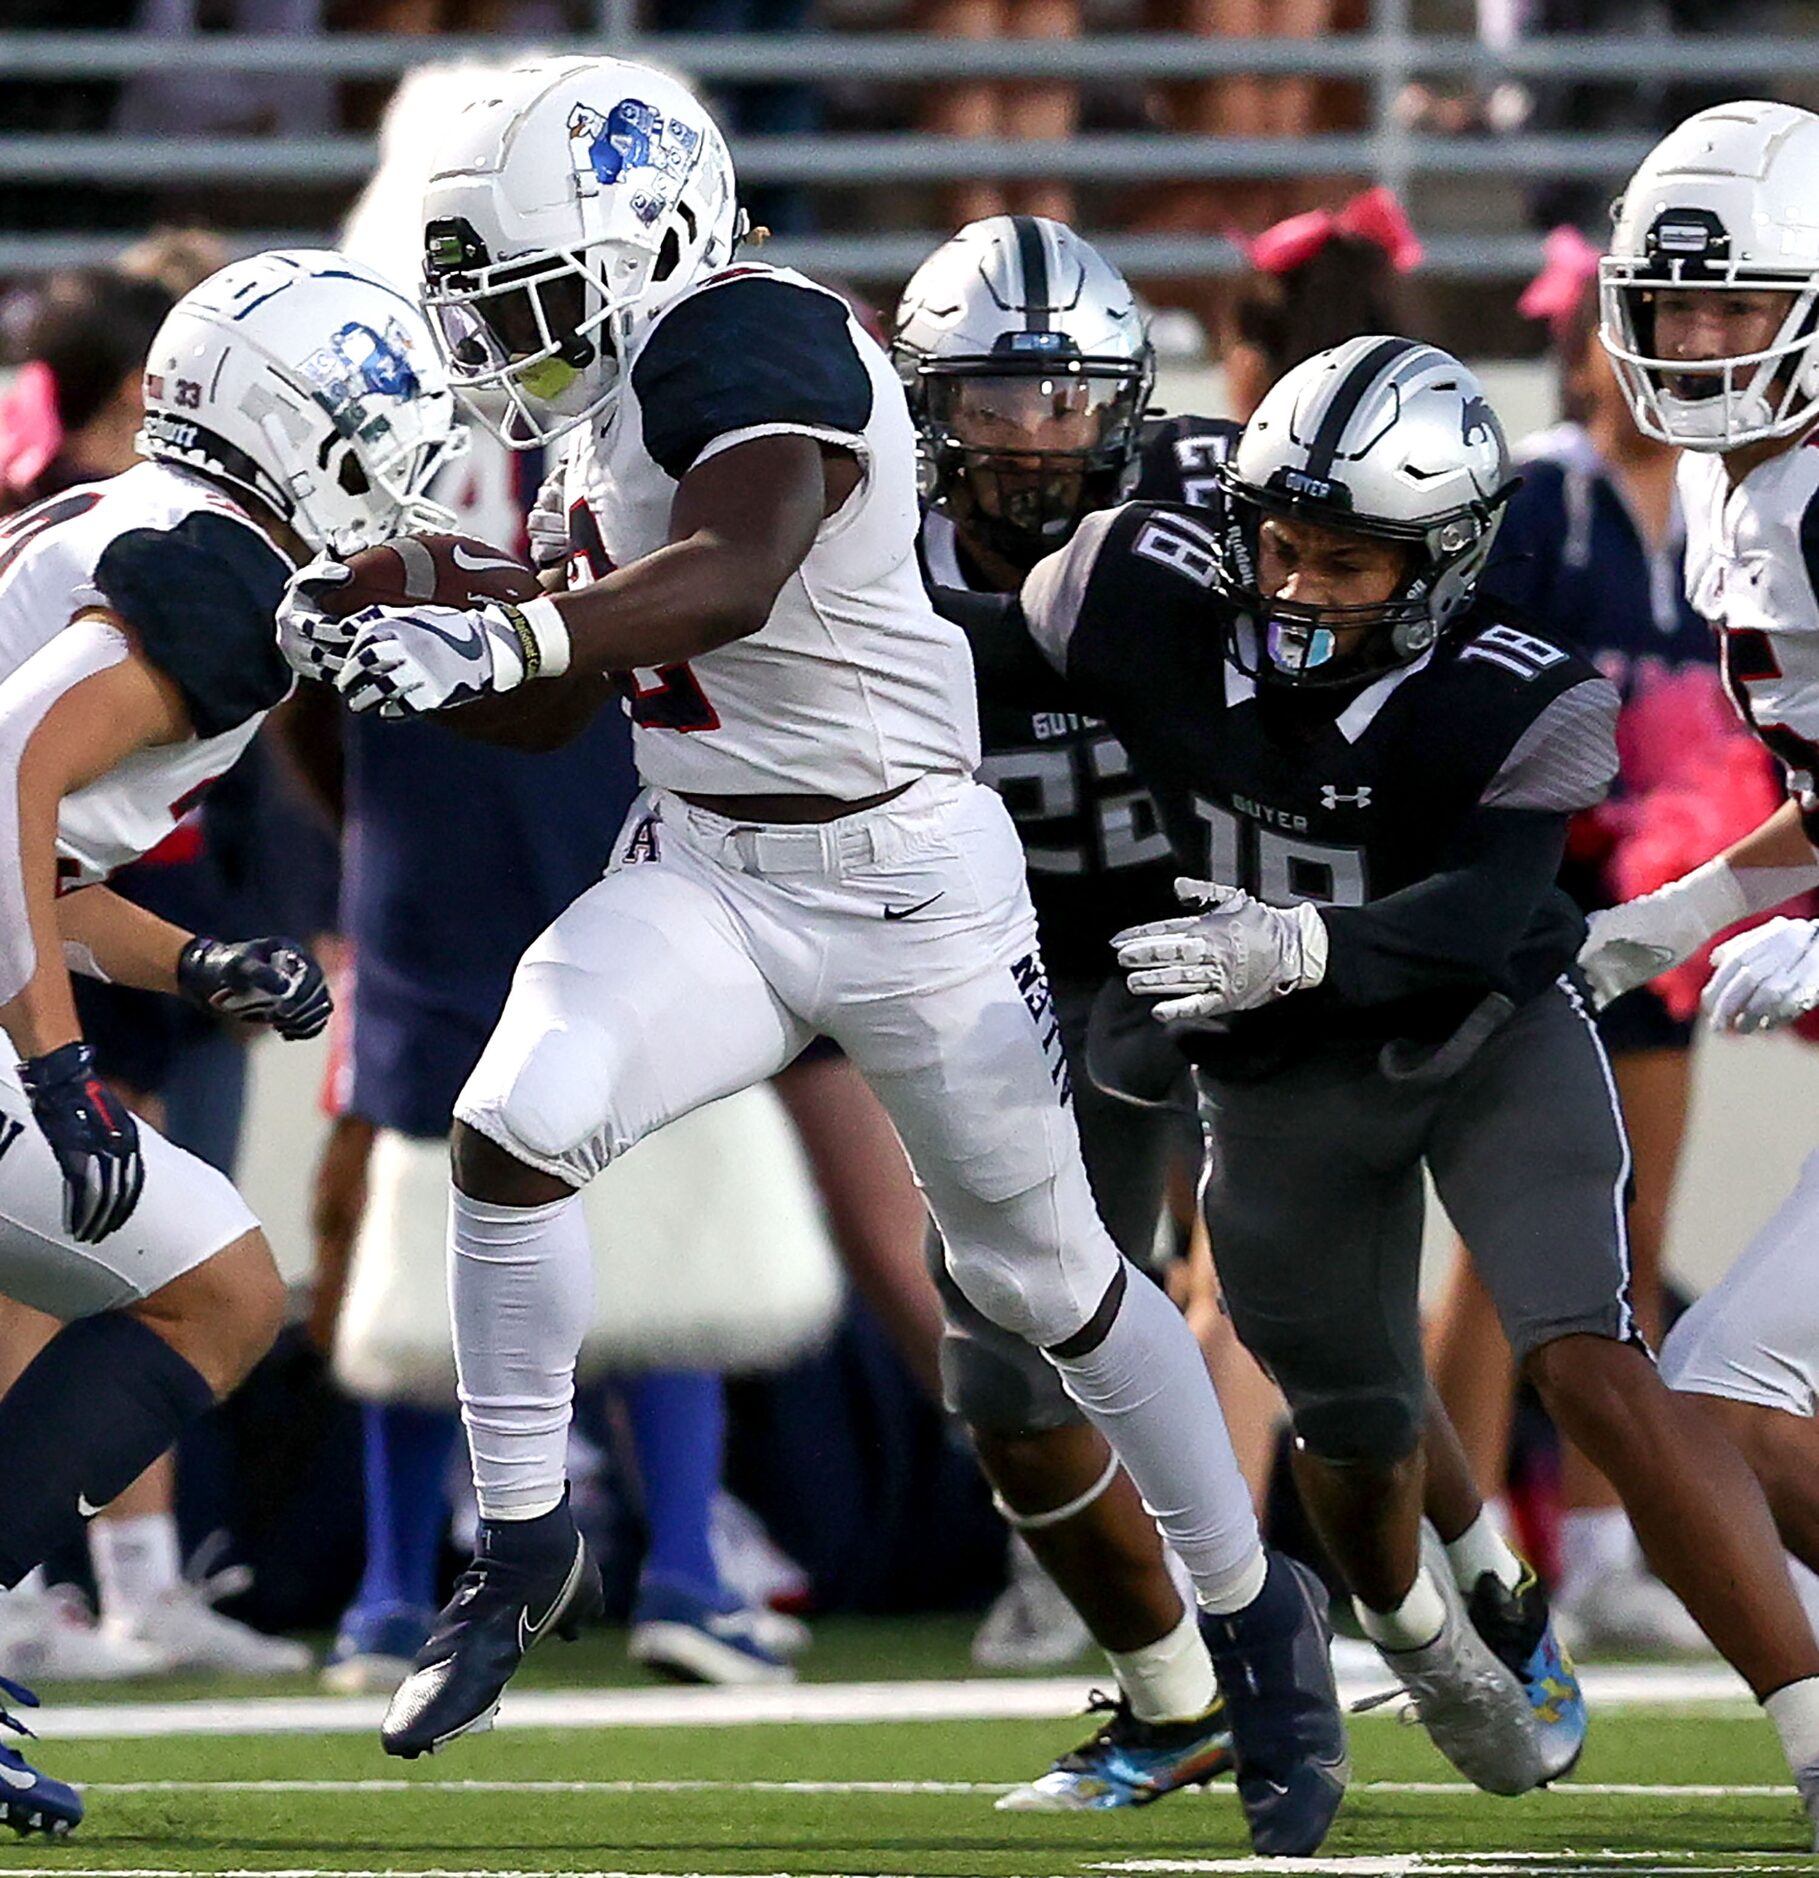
x: 1331, y: 796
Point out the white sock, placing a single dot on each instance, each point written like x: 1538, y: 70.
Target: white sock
x: 1479, y: 1549
x: 521, y: 1292
x: 1145, y: 1388
x: 136, y: 1561
x: 1414, y: 1623
x: 1170, y: 1679
x: 1795, y: 1712
x: 1594, y: 1543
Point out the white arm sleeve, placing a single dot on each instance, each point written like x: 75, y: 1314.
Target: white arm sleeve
x: 80, y: 651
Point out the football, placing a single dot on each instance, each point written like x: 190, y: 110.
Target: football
x: 440, y: 570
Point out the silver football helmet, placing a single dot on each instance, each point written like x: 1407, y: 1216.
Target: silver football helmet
x: 1028, y: 370
x: 1382, y: 437
x: 1727, y: 202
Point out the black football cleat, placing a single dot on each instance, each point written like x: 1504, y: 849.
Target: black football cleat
x: 1275, y: 1669
x: 528, y: 1578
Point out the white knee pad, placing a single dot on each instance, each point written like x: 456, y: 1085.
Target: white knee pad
x: 1036, y: 1263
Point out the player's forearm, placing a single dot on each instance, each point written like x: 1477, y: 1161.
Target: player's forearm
x: 41, y: 1013
x: 1780, y: 848
x: 686, y: 599
x: 1456, y: 930
x: 127, y: 945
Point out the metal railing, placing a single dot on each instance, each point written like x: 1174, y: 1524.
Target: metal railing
x: 1385, y: 58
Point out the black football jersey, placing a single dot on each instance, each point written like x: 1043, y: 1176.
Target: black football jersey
x: 1426, y: 810
x: 1091, y: 835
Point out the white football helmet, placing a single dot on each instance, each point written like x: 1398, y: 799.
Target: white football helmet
x: 1382, y: 437
x: 1728, y: 201
x: 572, y: 201
x: 1028, y: 369
x: 305, y: 380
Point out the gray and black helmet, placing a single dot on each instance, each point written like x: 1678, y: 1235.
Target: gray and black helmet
x: 1382, y: 437
x: 1028, y: 369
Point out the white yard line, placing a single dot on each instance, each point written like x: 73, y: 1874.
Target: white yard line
x: 1445, y: 1789
x: 1045, y: 1698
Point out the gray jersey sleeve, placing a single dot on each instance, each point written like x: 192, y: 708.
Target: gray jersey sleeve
x: 1567, y: 757
x: 1056, y: 588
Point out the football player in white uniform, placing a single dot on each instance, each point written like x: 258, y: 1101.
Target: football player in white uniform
x: 293, y: 403
x: 811, y: 855
x: 1710, y: 294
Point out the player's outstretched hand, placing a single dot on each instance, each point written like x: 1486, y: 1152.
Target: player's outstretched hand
x: 1625, y: 946
x: 1765, y: 978
x: 313, y: 642
x: 94, y: 1138
x: 263, y: 981
x: 1235, y: 955
x: 407, y: 661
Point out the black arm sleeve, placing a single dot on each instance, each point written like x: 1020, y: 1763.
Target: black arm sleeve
x: 1463, y: 927
x: 200, y: 599
x: 742, y: 355
x: 1008, y: 666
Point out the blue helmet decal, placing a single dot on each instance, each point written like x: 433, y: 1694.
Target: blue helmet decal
x: 624, y: 139
x: 633, y: 143
x: 359, y: 365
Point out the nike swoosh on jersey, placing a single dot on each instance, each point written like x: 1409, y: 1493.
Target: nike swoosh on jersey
x: 476, y: 563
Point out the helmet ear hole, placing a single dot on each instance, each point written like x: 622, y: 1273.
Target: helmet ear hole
x: 669, y: 256
x: 352, y: 476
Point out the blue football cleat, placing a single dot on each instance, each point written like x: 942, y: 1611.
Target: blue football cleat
x: 680, y: 1634
x: 1128, y: 1763
x: 528, y: 1578
x: 1276, y: 1673
x: 1517, y: 1626
x: 31, y: 1801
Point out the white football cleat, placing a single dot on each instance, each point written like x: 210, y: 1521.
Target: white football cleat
x: 182, y: 1624
x: 47, y: 1635
x: 1030, y: 1625
x: 1628, y: 1609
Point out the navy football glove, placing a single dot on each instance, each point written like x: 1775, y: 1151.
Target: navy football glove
x: 95, y: 1140
x: 263, y: 981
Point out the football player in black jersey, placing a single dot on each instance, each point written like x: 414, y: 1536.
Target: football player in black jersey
x: 1371, y: 774
x: 1029, y: 368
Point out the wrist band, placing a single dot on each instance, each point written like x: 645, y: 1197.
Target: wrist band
x: 542, y: 637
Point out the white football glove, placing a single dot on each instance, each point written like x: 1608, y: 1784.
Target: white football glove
x: 314, y: 646
x: 1764, y: 978
x: 408, y: 661
x: 1236, y: 955
x: 547, y: 524
x: 1625, y: 946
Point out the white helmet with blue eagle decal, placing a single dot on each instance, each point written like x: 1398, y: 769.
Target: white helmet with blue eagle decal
x: 305, y: 380
x: 571, y: 202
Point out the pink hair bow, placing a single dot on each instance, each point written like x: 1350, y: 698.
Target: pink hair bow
x: 31, y: 432
x: 1374, y: 215
x: 1569, y: 266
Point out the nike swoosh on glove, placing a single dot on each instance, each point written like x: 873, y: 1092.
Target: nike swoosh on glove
x: 313, y: 644
x: 1235, y: 955
x: 407, y: 661
x: 94, y: 1138
x: 1765, y: 978
x: 262, y: 981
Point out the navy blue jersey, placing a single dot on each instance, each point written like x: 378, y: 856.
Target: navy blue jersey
x: 457, y: 855
x: 1097, y: 853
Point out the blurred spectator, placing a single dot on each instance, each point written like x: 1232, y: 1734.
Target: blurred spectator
x: 994, y: 108
x: 1315, y: 280
x: 175, y: 259
x: 76, y: 405
x: 202, y: 102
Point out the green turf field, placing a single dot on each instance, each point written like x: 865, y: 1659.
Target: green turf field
x: 1659, y: 1791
